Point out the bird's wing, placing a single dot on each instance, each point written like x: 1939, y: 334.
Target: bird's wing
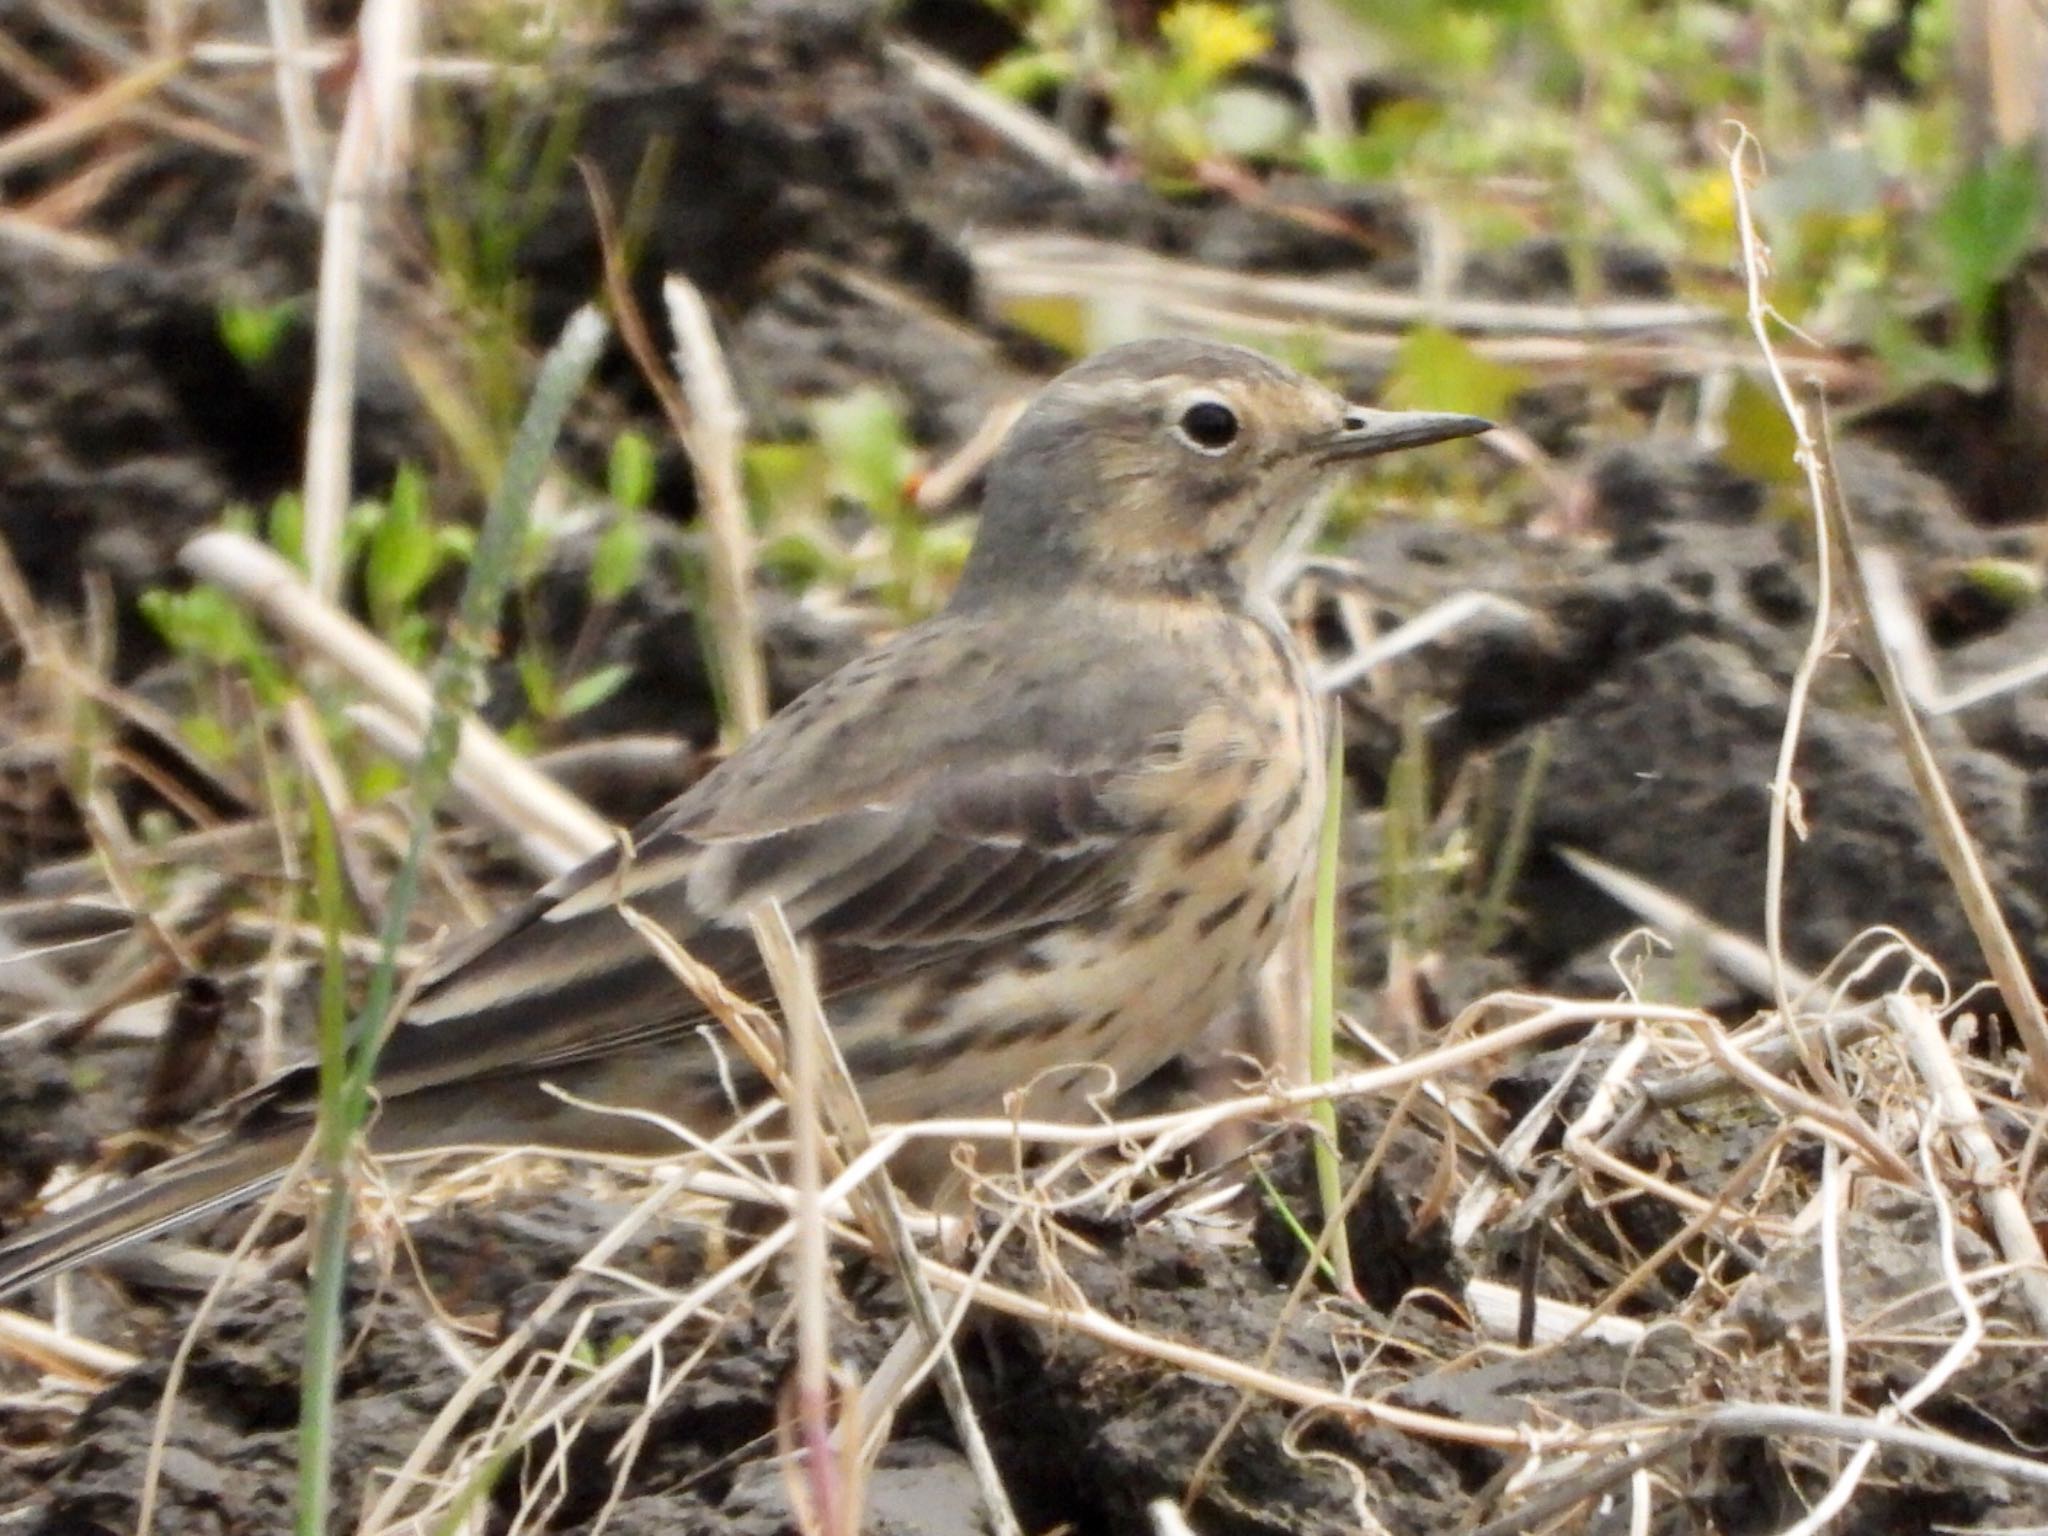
x: 927, y: 837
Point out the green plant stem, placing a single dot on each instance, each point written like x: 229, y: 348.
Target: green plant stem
x: 345, y: 1076
x: 1322, y: 1017
x: 1513, y: 851
x: 1281, y: 1209
x: 323, y: 1313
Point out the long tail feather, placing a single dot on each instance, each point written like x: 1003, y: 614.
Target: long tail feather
x: 206, y: 1179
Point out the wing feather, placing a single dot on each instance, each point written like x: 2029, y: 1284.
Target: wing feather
x: 880, y: 892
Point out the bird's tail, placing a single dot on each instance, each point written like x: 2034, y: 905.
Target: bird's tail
x: 208, y: 1178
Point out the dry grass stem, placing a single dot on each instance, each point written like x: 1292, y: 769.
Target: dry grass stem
x: 489, y: 1371
x: 597, y: 1384
x: 517, y: 796
x: 1775, y: 1052
x: 319, y: 57
x: 830, y: 1499
x: 1820, y: 637
x: 1477, y: 1208
x: 1951, y: 838
x: 1026, y: 131
x: 1435, y: 622
x: 167, y: 1404
x: 1497, y: 1309
x: 715, y: 435
x: 1162, y: 1134
x: 1039, y: 266
x: 797, y: 992
x: 947, y: 481
x: 59, y: 1352
x: 1741, y: 959
x: 368, y: 155
x: 291, y: 77
x: 72, y: 124
x: 1895, y: 624
x: 86, y: 252
x: 1990, y: 1176
x: 1077, y: 1316
x: 2005, y: 680
x: 1562, y: 357
x: 1837, y: 1120
x: 480, y: 802
x: 1952, y: 1359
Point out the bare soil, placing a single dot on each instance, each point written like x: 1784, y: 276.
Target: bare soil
x: 822, y: 202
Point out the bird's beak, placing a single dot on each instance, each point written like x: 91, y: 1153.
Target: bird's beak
x: 1367, y: 433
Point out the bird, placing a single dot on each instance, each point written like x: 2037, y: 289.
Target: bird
x: 1037, y: 840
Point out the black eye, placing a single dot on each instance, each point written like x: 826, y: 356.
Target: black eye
x: 1210, y: 425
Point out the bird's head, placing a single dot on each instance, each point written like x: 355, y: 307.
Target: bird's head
x: 1172, y: 467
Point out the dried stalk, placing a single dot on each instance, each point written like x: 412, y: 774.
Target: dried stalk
x: 374, y: 134
x: 715, y: 435
x: 291, y: 69
x: 1951, y: 838
x: 798, y: 994
x: 69, y: 125
x: 517, y: 796
x: 1036, y: 266
x: 1991, y: 1176
x: 56, y: 1352
x: 1023, y: 129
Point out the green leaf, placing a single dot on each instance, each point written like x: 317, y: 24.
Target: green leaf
x: 1761, y: 442
x: 867, y: 447
x: 1436, y: 370
x: 404, y: 551
x: 287, y: 527
x: 631, y: 476
x: 1386, y: 147
x: 252, y: 332
x: 1057, y: 318
x: 1986, y: 224
x: 413, y: 637
x: 592, y: 689
x: 799, y: 560
x: 946, y: 547
x: 537, y: 682
x: 206, y: 735
x: 782, y: 476
x: 2011, y: 584
x: 619, y: 560
x: 380, y: 777
x: 1025, y: 75
x: 408, y: 498
x: 203, y: 623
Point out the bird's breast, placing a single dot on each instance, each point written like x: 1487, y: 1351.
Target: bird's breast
x: 1222, y: 827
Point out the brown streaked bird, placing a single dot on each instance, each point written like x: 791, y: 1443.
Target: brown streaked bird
x: 1060, y: 823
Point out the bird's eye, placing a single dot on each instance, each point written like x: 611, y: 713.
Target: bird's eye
x: 1209, y: 426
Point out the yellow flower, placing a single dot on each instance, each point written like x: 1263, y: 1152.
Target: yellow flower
x: 1210, y: 39
x: 1708, y: 207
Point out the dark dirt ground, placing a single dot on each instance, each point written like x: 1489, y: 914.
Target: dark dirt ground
x: 1655, y: 649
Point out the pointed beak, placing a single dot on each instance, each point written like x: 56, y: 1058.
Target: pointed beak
x: 1368, y: 433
